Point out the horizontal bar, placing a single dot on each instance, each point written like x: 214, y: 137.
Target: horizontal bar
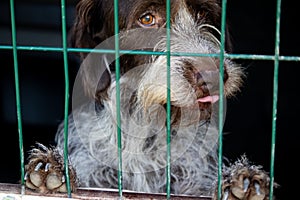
x: 142, y: 52
x: 32, y: 48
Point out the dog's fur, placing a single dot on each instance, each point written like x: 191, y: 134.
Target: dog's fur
x: 194, y: 92
x: 93, y: 137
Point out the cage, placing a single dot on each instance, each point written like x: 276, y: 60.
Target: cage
x: 33, y: 49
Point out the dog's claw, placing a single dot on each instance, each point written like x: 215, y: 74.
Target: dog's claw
x: 226, y: 194
x: 63, y: 179
x: 38, y: 166
x: 257, y: 192
x: 47, y: 167
x: 257, y: 188
x: 242, y: 181
x: 25, y: 176
x: 246, y: 184
x: 45, y: 171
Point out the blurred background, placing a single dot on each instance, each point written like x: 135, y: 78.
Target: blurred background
x: 248, y: 122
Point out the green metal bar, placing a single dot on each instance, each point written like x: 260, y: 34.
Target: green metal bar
x: 17, y: 88
x: 275, y: 97
x: 168, y: 34
x: 66, y: 112
x: 262, y: 57
x: 143, y: 52
x: 32, y: 48
x: 221, y: 89
x: 119, y: 132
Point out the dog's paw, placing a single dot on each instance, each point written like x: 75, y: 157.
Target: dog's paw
x: 242, y: 181
x: 45, y: 171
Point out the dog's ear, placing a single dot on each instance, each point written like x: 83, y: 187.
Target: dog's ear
x: 96, y: 77
x: 228, y: 39
x: 213, y: 15
x: 90, y: 28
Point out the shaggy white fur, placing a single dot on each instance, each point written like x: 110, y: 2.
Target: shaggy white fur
x: 93, y: 128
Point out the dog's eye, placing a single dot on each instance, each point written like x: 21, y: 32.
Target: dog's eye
x: 147, y: 20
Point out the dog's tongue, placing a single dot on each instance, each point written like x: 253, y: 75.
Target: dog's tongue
x: 210, y: 99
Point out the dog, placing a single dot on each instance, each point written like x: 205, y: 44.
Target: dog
x: 142, y: 86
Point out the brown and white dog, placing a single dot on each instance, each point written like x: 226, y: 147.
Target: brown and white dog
x: 194, y: 95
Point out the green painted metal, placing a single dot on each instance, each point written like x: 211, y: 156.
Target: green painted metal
x: 275, y: 97
x: 119, y: 132
x: 66, y: 111
x: 221, y: 101
x: 144, y: 52
x: 168, y: 126
x: 17, y: 89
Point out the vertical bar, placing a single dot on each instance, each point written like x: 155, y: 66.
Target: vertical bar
x: 117, y: 56
x: 221, y: 102
x: 18, y: 101
x: 275, y: 97
x: 168, y: 32
x: 66, y: 111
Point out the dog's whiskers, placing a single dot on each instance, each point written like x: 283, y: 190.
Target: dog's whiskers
x: 209, y: 34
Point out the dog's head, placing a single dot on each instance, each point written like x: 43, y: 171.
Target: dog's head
x: 195, y: 28
x: 95, y: 18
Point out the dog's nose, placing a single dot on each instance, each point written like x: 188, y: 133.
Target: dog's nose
x: 207, y: 79
x: 207, y: 89
x: 210, y: 76
x: 206, y: 69
x: 207, y: 85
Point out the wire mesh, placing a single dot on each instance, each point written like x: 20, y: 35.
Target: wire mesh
x: 65, y: 50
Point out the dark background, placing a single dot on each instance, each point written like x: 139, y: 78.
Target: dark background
x: 248, y: 123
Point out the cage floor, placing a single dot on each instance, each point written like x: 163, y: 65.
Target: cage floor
x: 13, y: 192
